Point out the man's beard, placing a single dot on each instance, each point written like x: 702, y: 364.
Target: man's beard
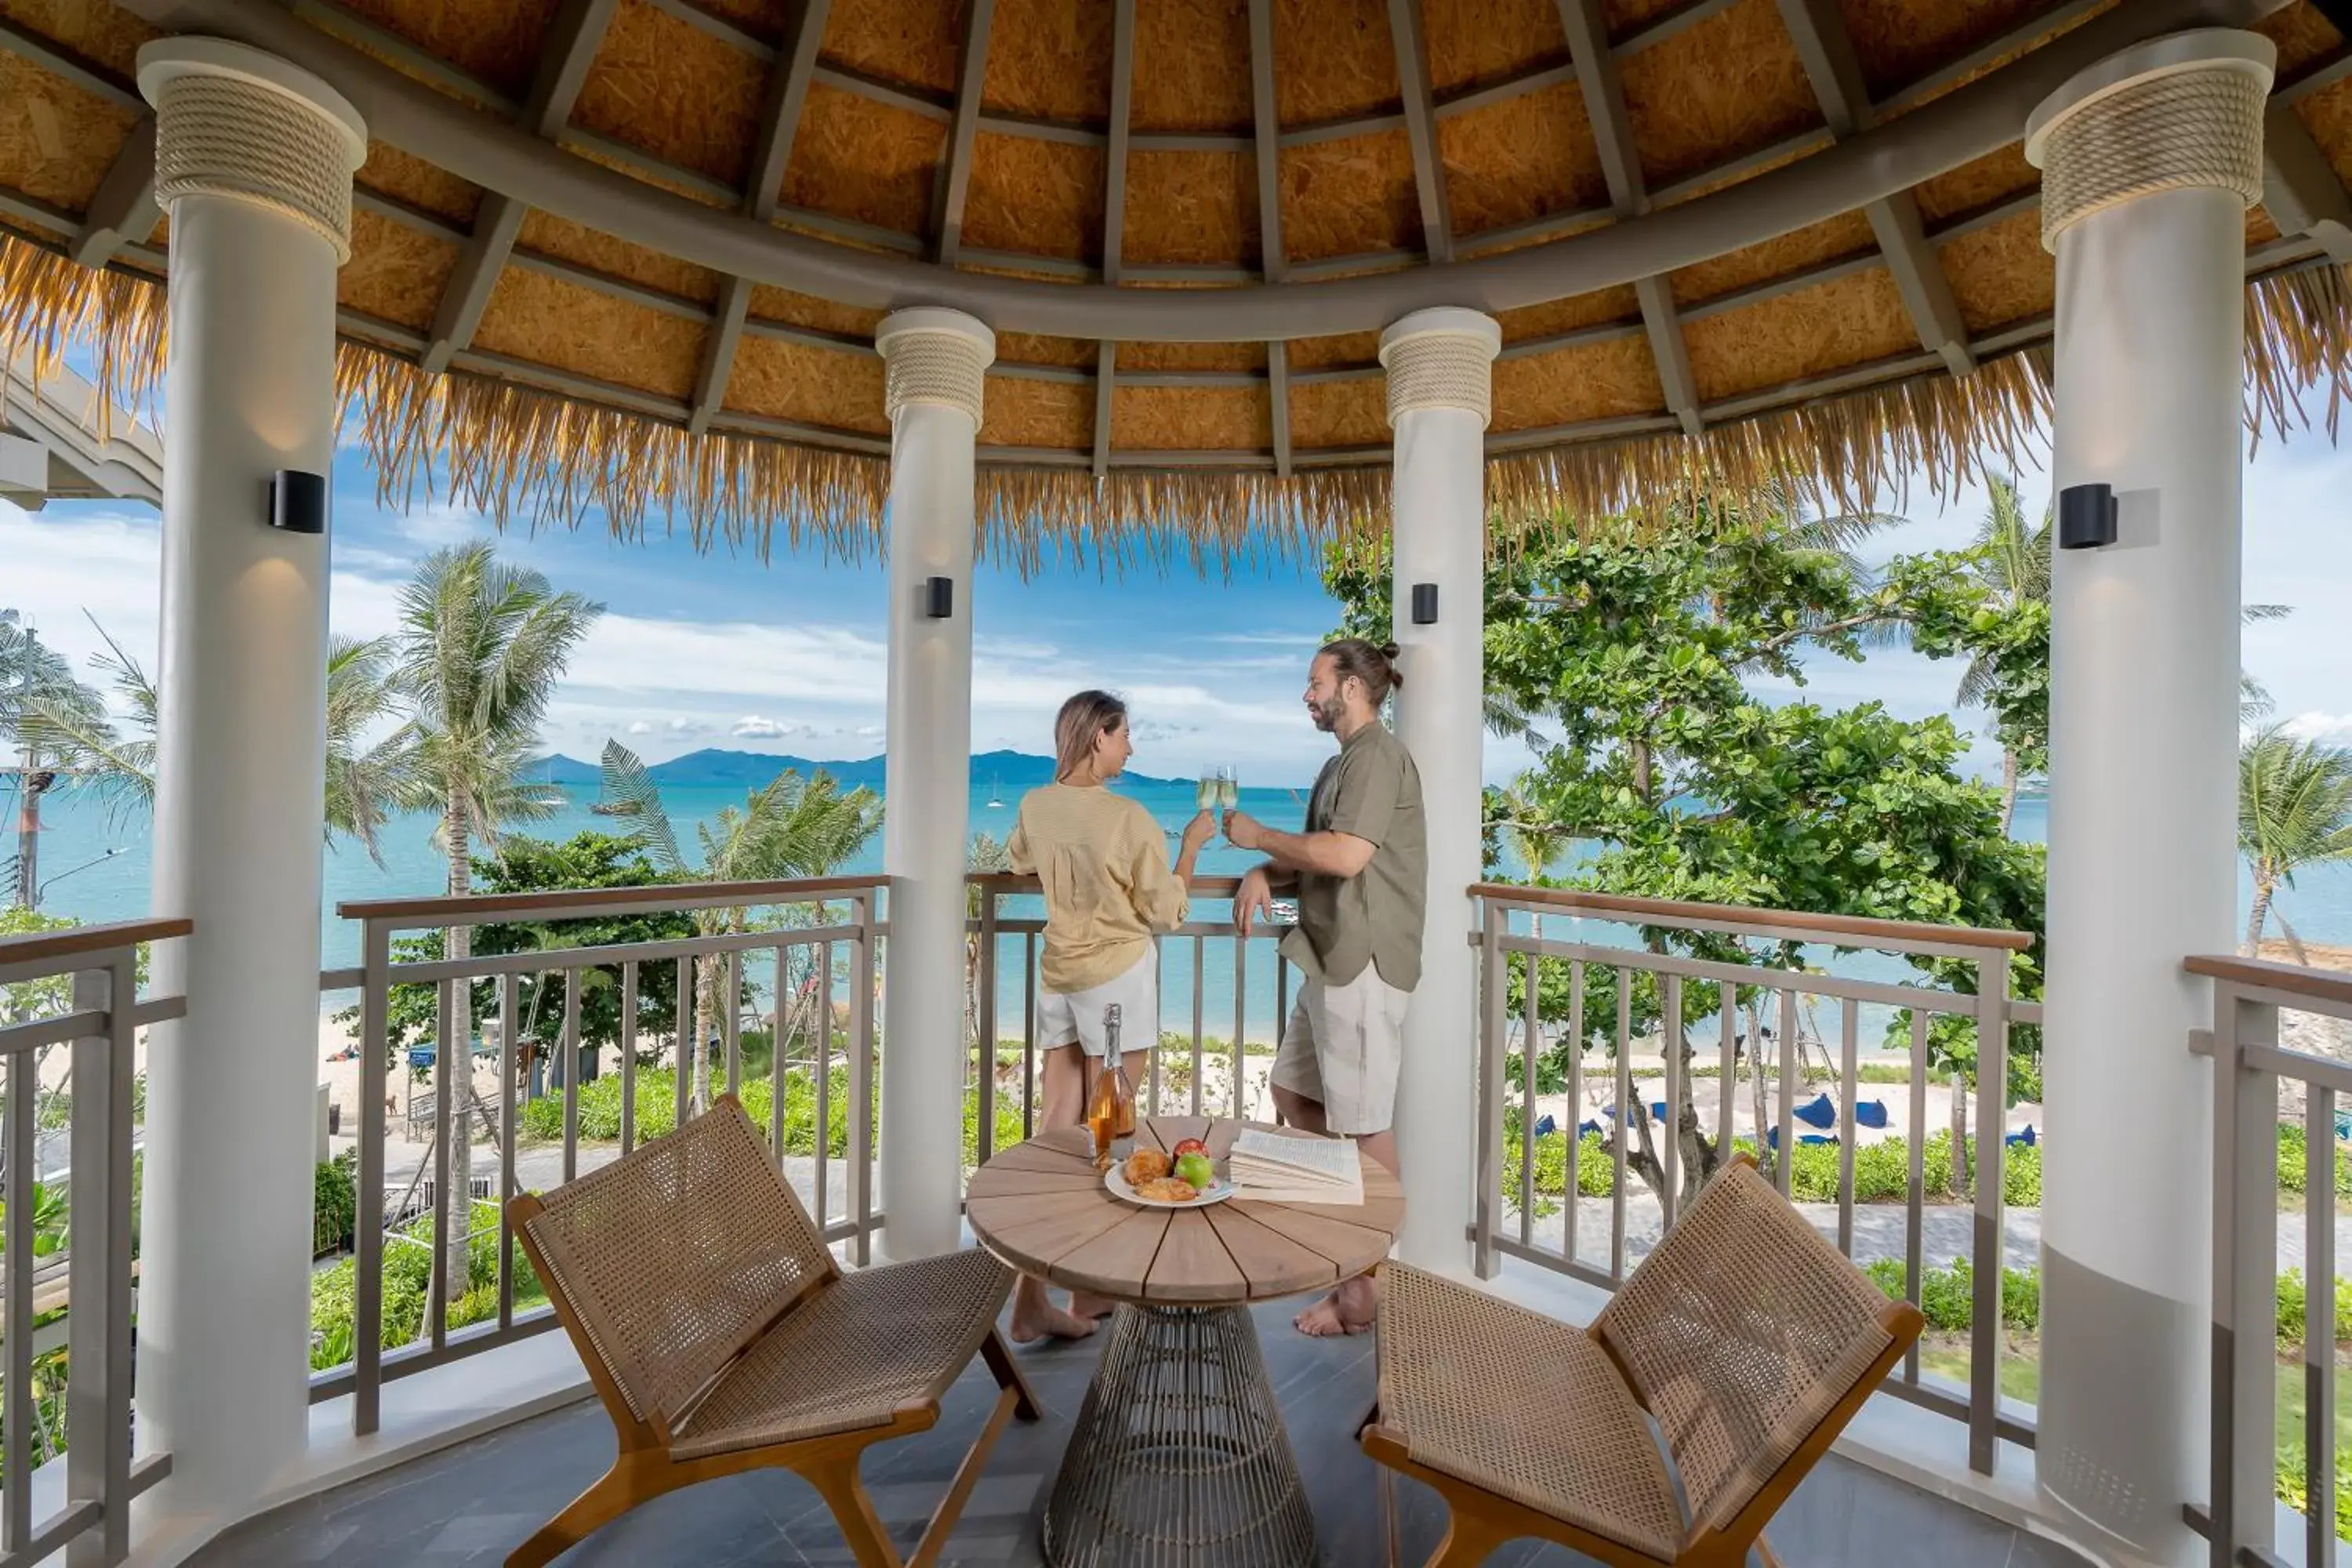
x: 1327, y: 715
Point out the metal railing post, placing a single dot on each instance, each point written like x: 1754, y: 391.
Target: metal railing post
x: 861, y: 1078
x: 1984, y: 1321
x: 16, y: 1243
x: 2245, y: 1301
x: 1492, y: 1008
x: 985, y: 1061
x: 367, y: 1242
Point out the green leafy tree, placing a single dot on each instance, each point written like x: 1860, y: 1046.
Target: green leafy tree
x: 526, y: 865
x: 791, y: 827
x: 479, y: 649
x: 2295, y: 810
x: 1640, y: 650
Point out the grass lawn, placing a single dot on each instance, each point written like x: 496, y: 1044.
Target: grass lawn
x: 1946, y: 1356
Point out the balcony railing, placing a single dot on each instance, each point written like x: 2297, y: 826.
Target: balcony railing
x: 1514, y: 942
x: 2248, y: 1064
x: 98, y: 1024
x: 816, y: 956
x: 1203, y: 954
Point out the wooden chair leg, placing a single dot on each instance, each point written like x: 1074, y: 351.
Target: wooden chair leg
x: 1764, y: 1552
x: 837, y: 1481
x: 610, y: 1497
x: 1470, y: 1540
x: 1007, y: 1372
x: 958, y: 1492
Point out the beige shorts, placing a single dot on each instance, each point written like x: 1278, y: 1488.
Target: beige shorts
x: 1342, y: 1048
x: 1076, y: 1017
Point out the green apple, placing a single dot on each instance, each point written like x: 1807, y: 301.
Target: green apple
x: 1196, y: 1169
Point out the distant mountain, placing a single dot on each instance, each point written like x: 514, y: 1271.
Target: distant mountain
x: 1007, y: 772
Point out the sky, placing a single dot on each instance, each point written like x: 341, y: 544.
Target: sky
x: 788, y: 656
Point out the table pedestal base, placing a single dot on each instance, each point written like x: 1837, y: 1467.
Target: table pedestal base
x: 1179, y: 1457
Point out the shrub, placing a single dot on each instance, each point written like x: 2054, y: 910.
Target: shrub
x: 1881, y: 1171
x: 541, y: 1120
x: 408, y: 1276
x: 2291, y: 1300
x: 335, y: 1202
x: 2291, y: 1170
x: 1947, y: 1299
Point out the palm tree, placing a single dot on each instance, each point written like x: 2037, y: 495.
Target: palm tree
x: 790, y: 828
x: 2294, y: 809
x: 367, y: 781
x: 35, y: 679
x: 2015, y: 568
x: 477, y: 655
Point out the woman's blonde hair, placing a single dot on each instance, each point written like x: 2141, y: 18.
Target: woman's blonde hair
x: 1083, y: 719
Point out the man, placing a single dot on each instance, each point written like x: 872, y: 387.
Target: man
x: 1363, y: 867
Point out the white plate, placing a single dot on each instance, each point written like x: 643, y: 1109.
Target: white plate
x: 1115, y: 1179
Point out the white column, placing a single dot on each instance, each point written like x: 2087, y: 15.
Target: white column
x: 1440, y: 368
x: 936, y: 359
x: 253, y: 162
x: 2149, y: 161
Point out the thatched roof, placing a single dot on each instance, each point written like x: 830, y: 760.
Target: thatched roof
x: 1734, y: 238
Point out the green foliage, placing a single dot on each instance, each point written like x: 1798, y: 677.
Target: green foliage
x: 1881, y: 1171
x: 407, y: 1276
x: 2295, y: 810
x: 1947, y: 1296
x: 2292, y: 1301
x: 527, y: 864
x: 600, y: 1109
x: 2292, y: 1167
x: 1635, y: 650
x: 335, y: 1202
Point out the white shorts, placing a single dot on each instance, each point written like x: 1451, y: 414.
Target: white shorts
x: 1076, y: 1017
x: 1342, y: 1048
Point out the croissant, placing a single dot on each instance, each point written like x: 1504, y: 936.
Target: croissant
x: 1146, y: 1165
x: 1166, y: 1190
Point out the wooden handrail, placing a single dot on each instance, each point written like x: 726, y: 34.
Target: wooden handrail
x: 2331, y: 985
x: 1864, y: 931
x: 473, y: 907
x: 46, y: 947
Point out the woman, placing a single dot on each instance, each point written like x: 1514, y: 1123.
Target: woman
x: 1109, y: 888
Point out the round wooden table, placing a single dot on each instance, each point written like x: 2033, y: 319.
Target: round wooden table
x: 1178, y: 1457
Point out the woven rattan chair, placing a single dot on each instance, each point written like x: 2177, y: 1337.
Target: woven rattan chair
x: 721, y: 1337
x: 1745, y: 1338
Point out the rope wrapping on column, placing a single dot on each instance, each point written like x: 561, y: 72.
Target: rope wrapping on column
x: 939, y: 367
x: 225, y: 136
x: 1440, y: 369
x: 2192, y: 129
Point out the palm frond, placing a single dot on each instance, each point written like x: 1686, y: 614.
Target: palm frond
x: 631, y: 794
x: 2250, y: 613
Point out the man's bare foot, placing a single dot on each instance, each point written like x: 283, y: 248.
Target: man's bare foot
x: 1349, y: 1309
x: 1048, y: 1322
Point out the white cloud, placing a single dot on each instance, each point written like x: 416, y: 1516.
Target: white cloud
x: 2331, y: 729
x: 752, y: 727
x: 641, y: 728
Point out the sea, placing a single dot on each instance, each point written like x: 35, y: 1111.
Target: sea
x: 95, y: 865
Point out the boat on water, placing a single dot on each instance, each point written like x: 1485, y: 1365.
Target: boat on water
x: 995, y: 796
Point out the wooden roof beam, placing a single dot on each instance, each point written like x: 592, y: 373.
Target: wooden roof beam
x: 780, y: 118
x: 1421, y: 128
x: 565, y: 54
x: 1114, y: 250
x: 1266, y: 125
x: 2300, y: 189
x: 1835, y: 72
x: 124, y: 211
x: 955, y: 174
x: 1620, y: 165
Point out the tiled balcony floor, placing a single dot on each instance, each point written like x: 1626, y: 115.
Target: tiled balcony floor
x: 472, y: 1504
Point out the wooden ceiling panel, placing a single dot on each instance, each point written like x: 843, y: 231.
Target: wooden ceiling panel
x: 1472, y: 41
x: 671, y: 88
x: 1725, y: 86
x: 1191, y: 60
x: 1037, y: 197
x: 1191, y: 209
x: 548, y: 321
x: 918, y: 42
x: 838, y: 388
x: 1050, y: 58
x: 1848, y: 233
x: 1344, y: 198
x: 1332, y: 59
x: 857, y: 159
x: 1525, y: 158
x: 1847, y: 321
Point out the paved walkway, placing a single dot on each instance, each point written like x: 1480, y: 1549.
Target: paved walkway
x: 1947, y: 1231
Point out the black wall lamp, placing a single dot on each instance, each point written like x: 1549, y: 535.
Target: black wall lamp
x: 298, y: 501
x: 939, y: 598
x: 1424, y: 604
x: 2086, y: 517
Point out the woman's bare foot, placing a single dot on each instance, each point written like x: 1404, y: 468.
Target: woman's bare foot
x: 1050, y: 1323
x: 1034, y: 1316
x: 1349, y: 1309
x: 1084, y: 1305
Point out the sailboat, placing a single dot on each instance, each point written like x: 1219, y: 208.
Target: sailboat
x: 995, y: 794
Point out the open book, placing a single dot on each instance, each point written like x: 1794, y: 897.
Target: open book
x: 1276, y: 1168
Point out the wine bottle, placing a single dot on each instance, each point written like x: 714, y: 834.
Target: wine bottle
x: 1111, y: 1113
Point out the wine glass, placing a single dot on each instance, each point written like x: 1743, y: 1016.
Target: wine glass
x: 1229, y: 787
x: 1205, y: 795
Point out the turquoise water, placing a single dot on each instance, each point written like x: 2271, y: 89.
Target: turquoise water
x: 81, y: 827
